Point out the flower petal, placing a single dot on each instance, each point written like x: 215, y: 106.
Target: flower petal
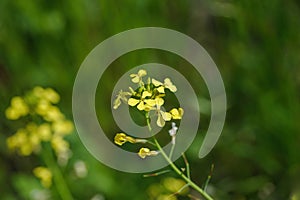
x: 160, y: 121
x: 161, y: 89
x: 176, y: 113
x: 133, y: 102
x: 141, y: 106
x: 142, y: 72
x: 136, y: 79
x: 159, y: 101
x: 117, y: 102
x: 156, y: 82
x: 168, y: 84
x: 166, y: 116
x: 150, y: 102
x: 146, y: 94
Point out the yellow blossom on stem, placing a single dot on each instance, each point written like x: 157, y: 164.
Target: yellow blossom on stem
x: 144, y: 152
x: 121, y: 138
x: 44, y: 174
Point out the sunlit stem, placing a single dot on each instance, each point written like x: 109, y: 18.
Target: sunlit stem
x: 174, y: 167
x: 156, y: 174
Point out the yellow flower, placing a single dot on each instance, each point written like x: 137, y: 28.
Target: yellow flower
x: 161, y: 86
x: 44, y: 174
x: 44, y: 132
x: 20, y: 142
x: 162, y: 116
x: 62, y: 127
x: 53, y: 114
x: 144, y: 152
x: 59, y: 145
x: 17, y: 109
x: 12, y: 113
x: 38, y: 91
x: 143, y: 104
x: 42, y: 107
x: 137, y: 78
x: 177, y: 113
x: 121, y: 96
x: 51, y: 95
x: 121, y: 138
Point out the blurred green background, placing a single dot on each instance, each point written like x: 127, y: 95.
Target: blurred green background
x: 255, y: 44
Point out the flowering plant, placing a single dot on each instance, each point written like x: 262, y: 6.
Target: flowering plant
x: 149, y: 98
x: 43, y: 134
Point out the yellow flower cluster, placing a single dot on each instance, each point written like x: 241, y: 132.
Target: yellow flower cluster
x: 146, y: 98
x: 149, y: 97
x: 48, y: 123
x: 44, y: 174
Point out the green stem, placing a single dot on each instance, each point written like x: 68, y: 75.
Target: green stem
x: 171, y: 151
x: 188, y: 173
x: 148, y: 121
x: 59, y: 180
x: 174, y: 167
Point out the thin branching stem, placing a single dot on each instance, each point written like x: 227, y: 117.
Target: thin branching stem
x: 188, y: 172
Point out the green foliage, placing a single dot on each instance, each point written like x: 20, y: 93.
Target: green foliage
x: 255, y: 44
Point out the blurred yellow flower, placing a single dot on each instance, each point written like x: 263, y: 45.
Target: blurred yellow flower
x: 18, y: 108
x: 62, y: 127
x: 59, y: 145
x: 44, y: 132
x: 51, y: 95
x: 44, y: 174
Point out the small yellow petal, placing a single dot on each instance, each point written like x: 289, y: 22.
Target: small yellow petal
x: 117, y: 102
x: 133, y: 102
x: 150, y: 102
x: 161, y: 89
x: 166, y: 116
x: 168, y: 84
x: 146, y: 94
x: 156, y: 82
x: 141, y: 106
x: 142, y: 72
x: 136, y: 79
x: 160, y: 121
x: 177, y: 113
x: 159, y: 101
